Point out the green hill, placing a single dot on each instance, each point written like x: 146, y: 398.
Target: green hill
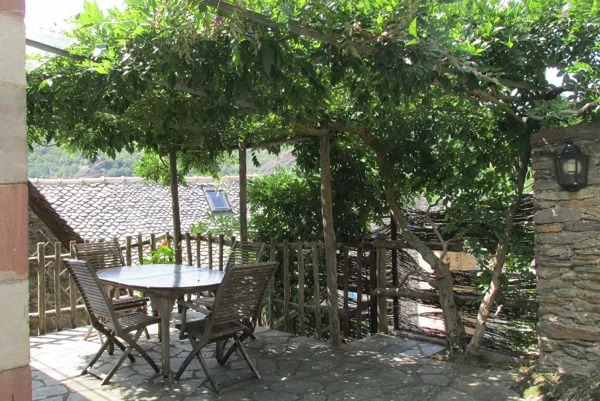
x: 54, y: 162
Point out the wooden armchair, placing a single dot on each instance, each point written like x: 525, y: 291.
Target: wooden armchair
x: 241, y: 253
x: 104, y: 255
x: 240, y: 295
x: 104, y: 319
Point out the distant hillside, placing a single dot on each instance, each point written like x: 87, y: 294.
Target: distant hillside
x: 55, y: 162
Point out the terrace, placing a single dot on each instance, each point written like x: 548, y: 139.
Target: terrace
x: 293, y: 368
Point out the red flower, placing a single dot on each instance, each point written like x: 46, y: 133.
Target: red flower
x: 164, y: 243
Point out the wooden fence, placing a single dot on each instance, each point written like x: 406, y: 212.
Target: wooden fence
x: 297, y: 298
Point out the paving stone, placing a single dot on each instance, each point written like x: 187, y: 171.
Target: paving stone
x: 41, y: 393
x: 293, y: 368
x: 298, y: 387
x: 436, y: 380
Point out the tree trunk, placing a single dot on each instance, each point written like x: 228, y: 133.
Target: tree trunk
x: 243, y: 191
x: 329, y: 237
x: 455, y: 331
x: 501, y: 251
x: 175, y: 200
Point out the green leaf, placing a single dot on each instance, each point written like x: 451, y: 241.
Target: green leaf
x: 268, y: 58
x: 412, y: 29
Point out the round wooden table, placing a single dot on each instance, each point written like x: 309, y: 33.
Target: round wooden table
x: 163, y: 283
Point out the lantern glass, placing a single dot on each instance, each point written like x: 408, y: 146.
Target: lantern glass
x: 572, y: 168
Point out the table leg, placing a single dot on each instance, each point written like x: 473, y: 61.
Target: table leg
x: 164, y: 306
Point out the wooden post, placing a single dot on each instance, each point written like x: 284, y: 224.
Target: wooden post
x: 381, y: 283
x: 153, y: 242
x: 198, y: 248
x: 286, y: 284
x: 329, y: 236
x: 210, y: 251
x: 57, y: 290
x: 346, y: 286
x: 128, y: 250
x: 175, y: 202
x: 359, y: 256
x: 372, y: 296
x: 317, y: 295
x: 72, y: 290
x: 41, y: 251
x: 394, y: 237
x: 273, y: 258
x: 221, y: 243
x: 300, y: 288
x: 243, y: 191
x: 188, y: 247
x: 140, y: 247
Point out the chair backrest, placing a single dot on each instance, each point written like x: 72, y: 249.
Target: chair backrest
x: 244, y: 253
x: 240, y: 294
x: 100, y: 255
x: 96, y: 301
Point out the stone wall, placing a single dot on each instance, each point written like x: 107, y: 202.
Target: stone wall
x: 15, y: 375
x: 567, y: 249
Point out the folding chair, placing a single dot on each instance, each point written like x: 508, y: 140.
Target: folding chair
x: 105, y: 320
x: 240, y: 295
x: 104, y: 255
x: 241, y: 253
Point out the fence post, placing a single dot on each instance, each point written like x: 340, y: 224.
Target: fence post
x: 381, y: 283
x: 221, y: 243
x: 41, y: 251
x: 396, y: 300
x: 57, y: 270
x: 346, y: 286
x: 300, y: 288
x: 153, y: 242
x: 273, y: 258
x: 372, y: 297
x: 317, y: 290
x: 359, y: 256
x: 128, y: 250
x: 210, y: 251
x: 140, y: 247
x: 188, y: 248
x: 72, y: 290
x: 198, y: 244
x: 286, y: 284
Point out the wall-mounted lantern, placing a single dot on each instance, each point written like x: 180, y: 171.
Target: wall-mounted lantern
x: 572, y: 167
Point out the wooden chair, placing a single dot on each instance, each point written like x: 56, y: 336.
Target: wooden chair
x: 104, y: 255
x: 104, y: 319
x: 241, y: 253
x: 240, y: 295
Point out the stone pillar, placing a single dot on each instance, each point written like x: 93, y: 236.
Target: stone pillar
x: 567, y: 251
x: 15, y: 375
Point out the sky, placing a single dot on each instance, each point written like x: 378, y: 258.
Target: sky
x: 50, y: 15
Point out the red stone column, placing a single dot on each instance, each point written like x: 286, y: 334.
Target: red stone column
x: 15, y: 375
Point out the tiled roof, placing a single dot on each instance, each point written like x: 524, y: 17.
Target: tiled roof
x: 101, y: 208
x: 44, y: 210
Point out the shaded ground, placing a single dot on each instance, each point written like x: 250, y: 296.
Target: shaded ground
x: 293, y: 368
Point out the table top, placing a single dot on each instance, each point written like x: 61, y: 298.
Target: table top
x: 163, y: 277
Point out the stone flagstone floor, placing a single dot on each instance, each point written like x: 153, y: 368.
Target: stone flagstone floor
x: 293, y: 368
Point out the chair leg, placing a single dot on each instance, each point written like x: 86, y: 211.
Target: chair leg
x: 147, y: 333
x: 123, y: 357
x: 145, y: 355
x: 88, y: 332
x: 195, y: 350
x: 246, y: 358
x: 97, y: 356
x: 207, y: 373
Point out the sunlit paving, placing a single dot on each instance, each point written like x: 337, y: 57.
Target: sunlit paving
x: 292, y: 368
